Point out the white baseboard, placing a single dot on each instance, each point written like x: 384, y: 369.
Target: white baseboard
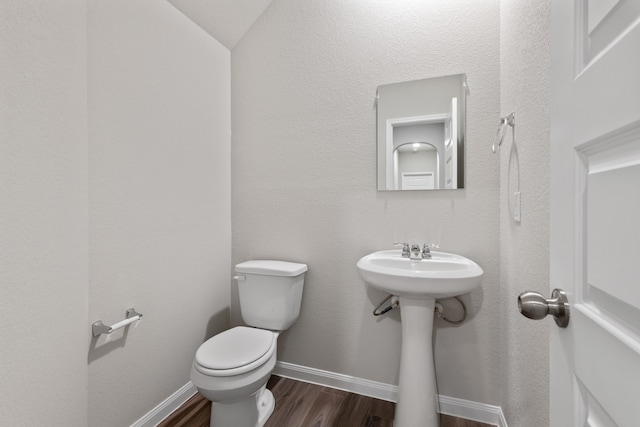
x: 502, y: 421
x: 470, y: 410
x: 339, y: 381
x: 461, y: 408
x: 167, y: 407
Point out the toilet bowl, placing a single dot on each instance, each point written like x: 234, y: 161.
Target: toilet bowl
x: 232, y: 368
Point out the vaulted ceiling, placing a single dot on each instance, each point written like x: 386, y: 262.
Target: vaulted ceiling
x: 226, y: 20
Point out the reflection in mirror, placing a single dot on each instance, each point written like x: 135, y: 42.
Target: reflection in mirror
x: 415, y: 166
x: 421, y: 129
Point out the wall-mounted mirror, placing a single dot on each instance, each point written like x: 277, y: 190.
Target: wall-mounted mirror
x: 421, y: 132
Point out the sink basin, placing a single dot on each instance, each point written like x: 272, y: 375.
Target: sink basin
x: 445, y: 275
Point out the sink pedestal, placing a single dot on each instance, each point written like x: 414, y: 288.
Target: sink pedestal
x: 417, y: 398
x: 418, y: 283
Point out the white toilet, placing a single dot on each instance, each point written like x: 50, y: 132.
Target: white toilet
x: 232, y: 368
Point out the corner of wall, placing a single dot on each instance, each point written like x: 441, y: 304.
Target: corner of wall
x: 524, y: 167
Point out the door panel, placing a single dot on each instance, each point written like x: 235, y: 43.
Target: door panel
x: 600, y: 23
x: 606, y: 369
x: 612, y: 237
x: 595, y: 211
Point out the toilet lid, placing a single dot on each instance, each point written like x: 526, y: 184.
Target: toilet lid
x: 235, y: 347
x: 271, y: 268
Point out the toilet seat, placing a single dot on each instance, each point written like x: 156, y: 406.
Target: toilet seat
x: 235, y: 351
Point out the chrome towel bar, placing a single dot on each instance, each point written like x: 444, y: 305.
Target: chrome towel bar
x: 100, y: 328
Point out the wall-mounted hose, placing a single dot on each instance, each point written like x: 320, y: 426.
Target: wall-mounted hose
x: 393, y: 302
x: 453, y: 322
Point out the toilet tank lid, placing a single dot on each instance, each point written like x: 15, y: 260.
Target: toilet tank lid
x: 271, y: 268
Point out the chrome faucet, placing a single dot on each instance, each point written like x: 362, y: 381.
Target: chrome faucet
x: 415, y: 252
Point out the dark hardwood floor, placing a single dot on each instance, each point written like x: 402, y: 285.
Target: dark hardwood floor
x: 300, y: 404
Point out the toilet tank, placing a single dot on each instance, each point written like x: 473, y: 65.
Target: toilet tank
x: 270, y: 292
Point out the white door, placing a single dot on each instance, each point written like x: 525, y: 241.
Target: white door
x: 418, y: 181
x: 595, y: 211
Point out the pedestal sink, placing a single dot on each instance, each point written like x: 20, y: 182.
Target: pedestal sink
x: 418, y: 283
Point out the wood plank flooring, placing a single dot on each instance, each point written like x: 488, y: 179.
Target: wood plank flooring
x: 300, y: 404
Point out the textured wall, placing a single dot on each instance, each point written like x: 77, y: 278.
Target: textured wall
x: 159, y: 193
x: 43, y: 213
x: 304, y: 175
x: 524, y: 247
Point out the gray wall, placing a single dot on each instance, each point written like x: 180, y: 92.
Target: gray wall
x: 304, y: 175
x: 431, y: 133
x: 524, y: 247
x: 43, y: 213
x: 115, y: 193
x: 159, y: 196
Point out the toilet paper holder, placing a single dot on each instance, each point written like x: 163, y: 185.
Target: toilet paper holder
x: 100, y: 328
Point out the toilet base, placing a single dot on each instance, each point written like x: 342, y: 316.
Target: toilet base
x: 252, y: 411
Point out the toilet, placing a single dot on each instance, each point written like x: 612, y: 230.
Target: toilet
x: 232, y: 368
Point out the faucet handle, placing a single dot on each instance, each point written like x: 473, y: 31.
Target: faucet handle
x: 426, y: 252
x: 426, y: 249
x: 405, y: 248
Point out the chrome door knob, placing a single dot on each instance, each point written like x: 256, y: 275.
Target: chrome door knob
x: 535, y: 306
